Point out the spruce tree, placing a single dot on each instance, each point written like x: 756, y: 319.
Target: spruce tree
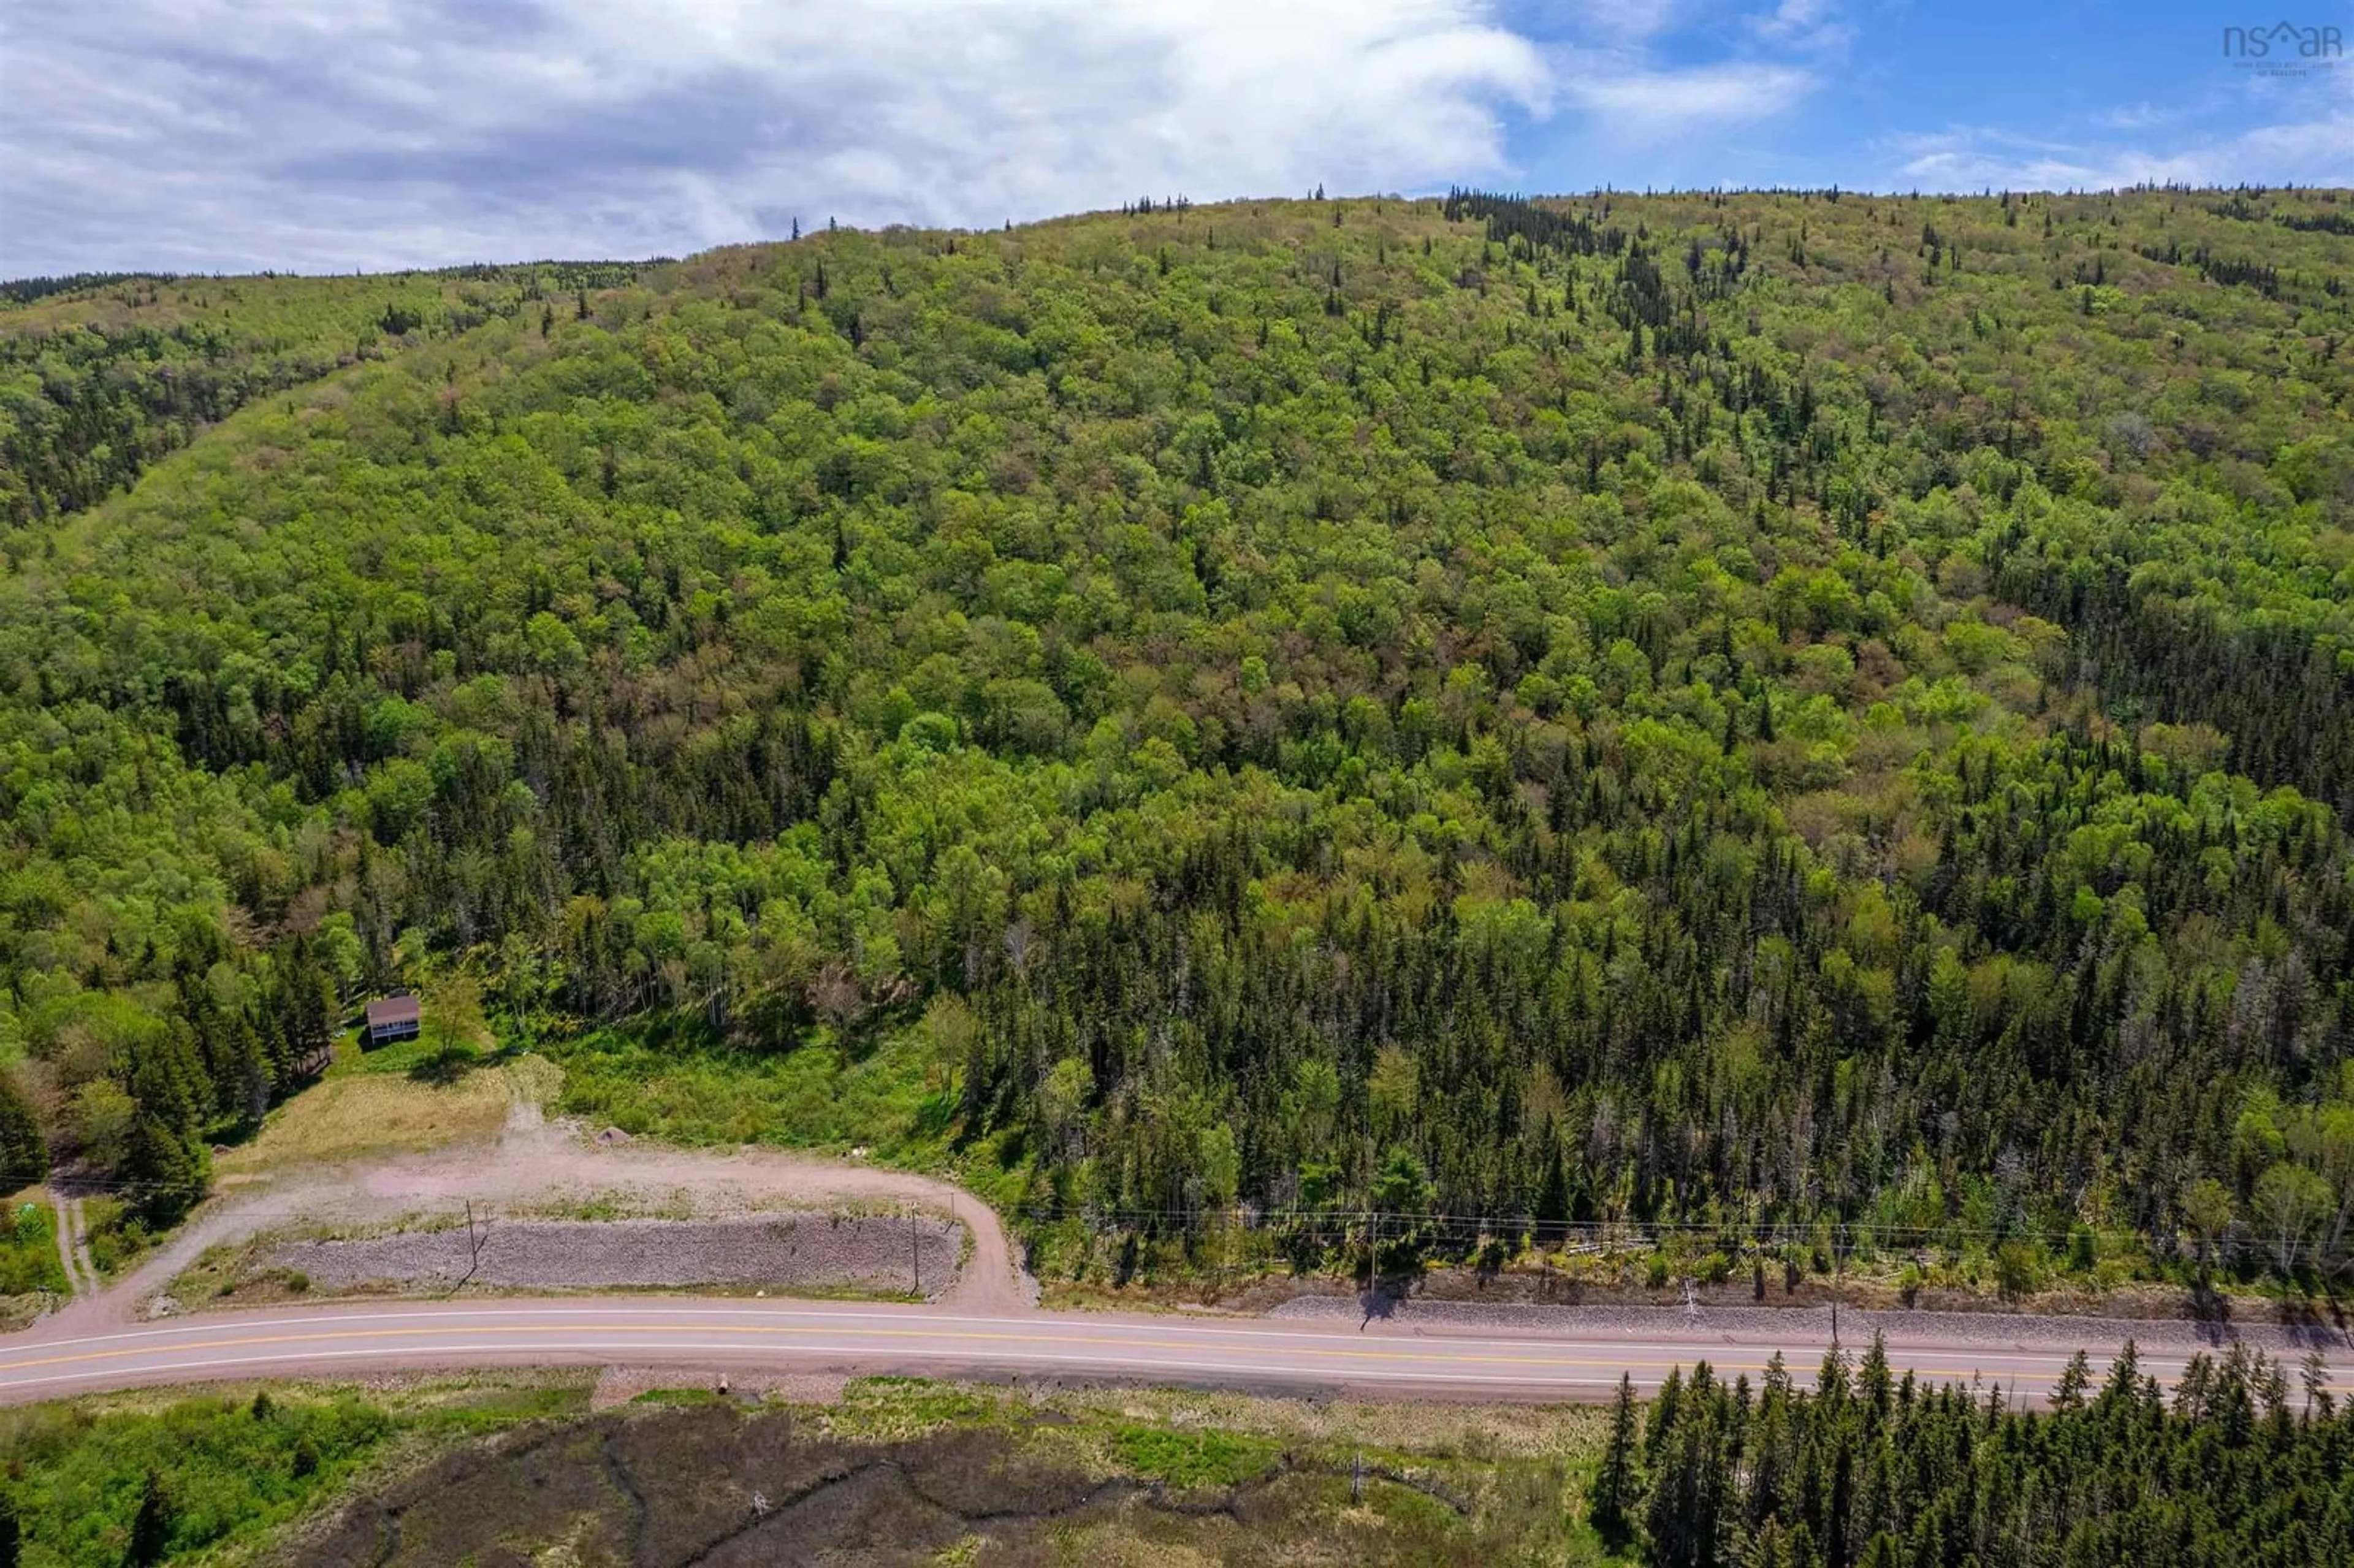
x: 151, y: 1528
x: 164, y: 1169
x: 1873, y: 1382
x: 1615, y: 1483
x: 2069, y: 1393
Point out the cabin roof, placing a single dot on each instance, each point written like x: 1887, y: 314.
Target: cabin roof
x: 392, y: 1010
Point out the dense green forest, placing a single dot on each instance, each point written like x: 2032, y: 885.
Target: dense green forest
x: 101, y: 375
x: 1866, y: 1471
x: 1712, y: 709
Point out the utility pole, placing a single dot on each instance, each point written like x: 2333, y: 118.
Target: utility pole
x: 915, y: 1252
x: 473, y: 1246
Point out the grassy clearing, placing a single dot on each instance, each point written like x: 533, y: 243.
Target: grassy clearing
x: 367, y: 1110
x: 893, y: 1098
x: 654, y: 1082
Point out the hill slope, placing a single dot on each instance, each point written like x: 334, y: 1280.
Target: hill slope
x: 100, y: 377
x: 1690, y: 708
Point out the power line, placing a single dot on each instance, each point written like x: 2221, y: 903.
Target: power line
x: 1791, y: 1230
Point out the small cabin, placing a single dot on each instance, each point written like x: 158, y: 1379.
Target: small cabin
x: 394, y: 1018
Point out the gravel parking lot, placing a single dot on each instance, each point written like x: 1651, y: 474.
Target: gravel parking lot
x: 785, y: 1253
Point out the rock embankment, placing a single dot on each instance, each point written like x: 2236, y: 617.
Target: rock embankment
x: 883, y: 1254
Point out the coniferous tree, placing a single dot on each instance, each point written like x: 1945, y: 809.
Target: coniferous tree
x: 150, y: 1527
x: 164, y: 1169
x: 2227, y: 1475
x: 1617, y: 1484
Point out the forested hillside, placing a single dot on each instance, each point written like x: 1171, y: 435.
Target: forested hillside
x: 1704, y: 708
x: 101, y: 375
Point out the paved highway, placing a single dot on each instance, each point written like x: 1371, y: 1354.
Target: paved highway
x: 698, y: 1337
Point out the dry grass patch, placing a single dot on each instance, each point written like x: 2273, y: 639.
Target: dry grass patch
x: 1573, y: 1433
x: 367, y: 1115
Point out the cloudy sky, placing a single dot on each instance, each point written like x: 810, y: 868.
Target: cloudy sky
x: 333, y: 134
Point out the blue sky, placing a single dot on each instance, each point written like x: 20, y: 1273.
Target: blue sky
x: 335, y: 134
x: 1888, y: 96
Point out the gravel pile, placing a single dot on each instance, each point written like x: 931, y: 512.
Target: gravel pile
x: 783, y: 1253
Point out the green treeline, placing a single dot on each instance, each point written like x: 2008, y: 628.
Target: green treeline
x: 1668, y: 709
x: 1867, y: 1471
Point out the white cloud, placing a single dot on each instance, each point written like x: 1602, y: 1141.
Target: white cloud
x: 1623, y: 21
x: 1646, y: 86
x: 1811, y: 24
x: 330, y: 134
x: 1649, y: 100
x: 2293, y: 131
x: 2318, y: 151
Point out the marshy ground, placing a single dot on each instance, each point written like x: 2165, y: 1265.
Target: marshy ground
x: 916, y: 1472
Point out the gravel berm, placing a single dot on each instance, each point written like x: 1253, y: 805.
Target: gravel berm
x: 786, y: 1253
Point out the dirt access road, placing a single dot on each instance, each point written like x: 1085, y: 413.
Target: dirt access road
x: 537, y: 1163
x: 73, y: 1245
